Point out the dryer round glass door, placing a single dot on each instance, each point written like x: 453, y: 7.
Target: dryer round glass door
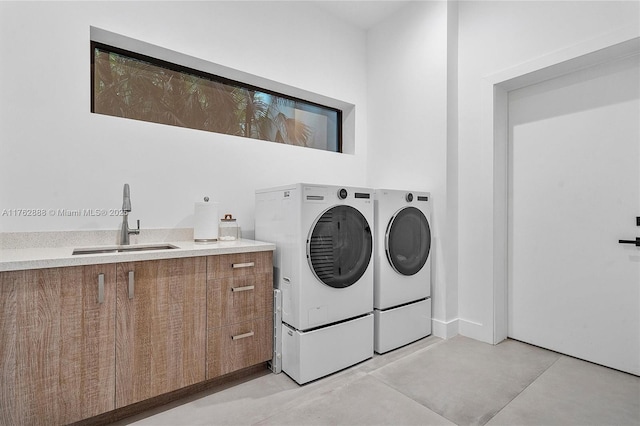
x: 339, y: 246
x: 408, y: 241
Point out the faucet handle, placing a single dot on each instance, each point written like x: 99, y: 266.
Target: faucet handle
x: 135, y: 231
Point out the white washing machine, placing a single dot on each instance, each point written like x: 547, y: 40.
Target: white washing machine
x: 402, y: 265
x: 323, y: 266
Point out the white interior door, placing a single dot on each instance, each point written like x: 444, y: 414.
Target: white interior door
x: 574, y: 191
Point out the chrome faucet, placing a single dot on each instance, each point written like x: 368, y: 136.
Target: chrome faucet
x: 126, y: 209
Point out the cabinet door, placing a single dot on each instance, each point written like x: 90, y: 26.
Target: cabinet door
x: 160, y: 335
x: 57, y: 344
x: 239, y: 311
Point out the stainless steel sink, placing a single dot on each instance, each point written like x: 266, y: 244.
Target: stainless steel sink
x: 123, y: 249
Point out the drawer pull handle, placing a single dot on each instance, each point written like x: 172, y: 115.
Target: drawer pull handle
x: 131, y: 284
x: 100, y: 288
x: 243, y: 265
x: 245, y: 288
x: 242, y: 336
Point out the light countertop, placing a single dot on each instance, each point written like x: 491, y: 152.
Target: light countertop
x: 54, y: 257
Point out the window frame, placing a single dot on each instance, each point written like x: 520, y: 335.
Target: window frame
x: 176, y: 67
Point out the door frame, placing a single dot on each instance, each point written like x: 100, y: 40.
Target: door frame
x: 495, y: 134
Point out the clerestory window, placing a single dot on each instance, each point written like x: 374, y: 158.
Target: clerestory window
x: 130, y: 85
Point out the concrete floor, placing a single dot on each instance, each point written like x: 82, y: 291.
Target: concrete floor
x: 431, y: 382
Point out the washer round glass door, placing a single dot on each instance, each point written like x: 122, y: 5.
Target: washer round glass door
x: 339, y: 246
x: 408, y: 241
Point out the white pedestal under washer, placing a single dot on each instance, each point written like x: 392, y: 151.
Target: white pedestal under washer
x: 402, y: 268
x: 323, y: 266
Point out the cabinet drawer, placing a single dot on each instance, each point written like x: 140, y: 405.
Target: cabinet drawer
x: 237, y: 346
x: 240, y: 264
x: 233, y: 300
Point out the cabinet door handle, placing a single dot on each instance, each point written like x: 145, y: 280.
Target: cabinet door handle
x: 245, y: 288
x: 242, y: 336
x: 131, y: 284
x: 242, y: 265
x: 100, y: 288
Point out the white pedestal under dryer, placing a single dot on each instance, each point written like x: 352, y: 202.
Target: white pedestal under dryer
x: 402, y: 268
x: 323, y: 268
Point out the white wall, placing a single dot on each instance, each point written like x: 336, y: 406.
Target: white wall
x: 494, y: 36
x: 407, y: 128
x: 55, y: 154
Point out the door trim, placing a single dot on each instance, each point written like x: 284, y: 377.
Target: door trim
x: 611, y: 46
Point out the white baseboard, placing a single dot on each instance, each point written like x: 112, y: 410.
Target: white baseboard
x: 444, y: 329
x: 475, y: 330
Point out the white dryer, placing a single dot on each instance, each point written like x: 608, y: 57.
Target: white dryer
x: 402, y: 262
x: 323, y: 266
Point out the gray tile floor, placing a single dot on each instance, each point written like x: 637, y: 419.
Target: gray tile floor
x: 431, y: 382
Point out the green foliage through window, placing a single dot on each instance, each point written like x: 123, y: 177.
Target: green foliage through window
x: 129, y: 85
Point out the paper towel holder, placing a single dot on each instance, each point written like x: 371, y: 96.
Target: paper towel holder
x: 205, y: 228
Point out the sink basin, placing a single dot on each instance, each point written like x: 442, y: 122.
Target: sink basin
x: 123, y: 249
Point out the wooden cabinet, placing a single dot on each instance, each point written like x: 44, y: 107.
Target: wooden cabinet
x: 239, y: 311
x: 161, y: 320
x: 76, y: 342
x: 57, y: 334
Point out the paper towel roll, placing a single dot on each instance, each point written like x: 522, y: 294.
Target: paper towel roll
x: 205, y: 227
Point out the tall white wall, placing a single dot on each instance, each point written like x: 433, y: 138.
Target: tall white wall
x: 416, y: 80
x: 55, y: 154
x: 493, y: 37
x: 408, y: 95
